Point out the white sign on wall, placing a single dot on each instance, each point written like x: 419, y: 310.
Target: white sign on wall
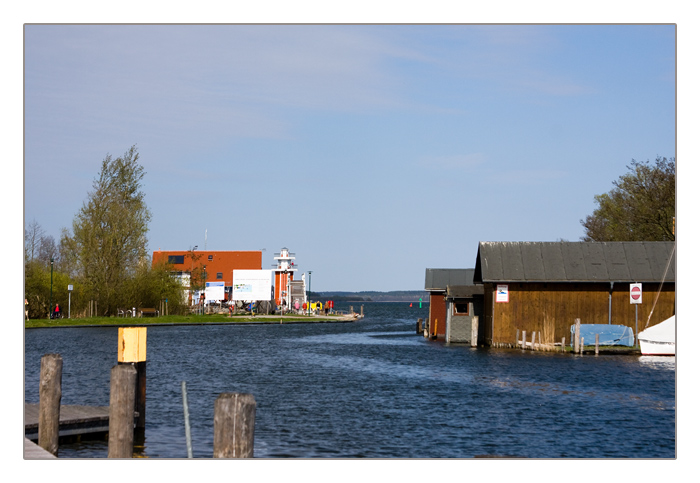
x: 251, y: 285
x: 635, y: 293
x: 502, y: 293
x: 214, y: 291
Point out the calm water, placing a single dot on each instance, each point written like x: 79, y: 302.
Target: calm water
x: 374, y: 389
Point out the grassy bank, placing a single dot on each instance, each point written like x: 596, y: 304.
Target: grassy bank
x: 182, y: 320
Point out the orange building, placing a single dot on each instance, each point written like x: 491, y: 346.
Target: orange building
x: 218, y: 265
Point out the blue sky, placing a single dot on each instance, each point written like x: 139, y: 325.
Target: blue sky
x: 371, y: 151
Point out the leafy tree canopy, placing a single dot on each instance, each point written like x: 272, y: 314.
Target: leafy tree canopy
x: 109, y: 232
x: 105, y: 258
x: 640, y: 207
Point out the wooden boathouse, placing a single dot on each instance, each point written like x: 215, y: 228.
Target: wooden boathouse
x: 436, y: 282
x: 545, y: 286
x: 465, y: 308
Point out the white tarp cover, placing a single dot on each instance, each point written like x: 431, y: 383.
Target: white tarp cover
x: 662, y: 332
x: 607, y: 334
x: 250, y: 285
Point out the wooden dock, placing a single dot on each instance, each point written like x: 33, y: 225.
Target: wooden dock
x: 73, y: 421
x: 33, y: 451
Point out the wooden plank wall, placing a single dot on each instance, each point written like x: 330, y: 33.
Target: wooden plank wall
x: 486, y: 320
x: 437, y: 311
x: 623, y: 311
x: 552, y: 308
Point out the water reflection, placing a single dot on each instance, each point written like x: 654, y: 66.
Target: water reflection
x: 363, y: 338
x: 667, y: 363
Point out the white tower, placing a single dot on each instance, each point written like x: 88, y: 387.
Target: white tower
x: 284, y: 273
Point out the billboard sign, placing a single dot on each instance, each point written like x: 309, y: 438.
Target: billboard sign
x: 214, y: 291
x: 252, y: 285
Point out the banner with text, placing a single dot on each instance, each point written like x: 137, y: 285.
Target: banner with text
x: 252, y: 285
x: 214, y: 291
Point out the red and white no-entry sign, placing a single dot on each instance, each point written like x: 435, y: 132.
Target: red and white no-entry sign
x: 635, y: 293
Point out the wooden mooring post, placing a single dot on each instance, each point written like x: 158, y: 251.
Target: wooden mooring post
x: 533, y: 340
x: 50, y: 401
x: 524, y: 338
x: 563, y: 344
x: 132, y: 350
x: 234, y: 425
x: 577, y: 335
x: 419, y: 326
x: 140, y: 395
x: 596, y: 344
x: 122, y: 394
x: 475, y: 331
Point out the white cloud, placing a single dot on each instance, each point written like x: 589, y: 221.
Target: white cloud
x: 202, y: 81
x: 519, y: 59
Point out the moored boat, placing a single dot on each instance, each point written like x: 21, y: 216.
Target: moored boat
x: 659, y: 339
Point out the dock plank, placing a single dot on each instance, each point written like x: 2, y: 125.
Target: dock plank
x: 73, y: 420
x: 33, y: 451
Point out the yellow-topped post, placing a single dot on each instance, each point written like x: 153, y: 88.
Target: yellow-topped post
x: 132, y: 350
x: 132, y: 344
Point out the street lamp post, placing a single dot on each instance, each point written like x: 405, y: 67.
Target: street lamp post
x: 192, y: 276
x: 288, y: 295
x: 204, y: 288
x: 51, y: 292
x: 308, y: 304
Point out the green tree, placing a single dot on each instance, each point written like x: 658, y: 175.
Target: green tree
x: 40, y: 292
x: 197, y: 274
x: 150, y: 285
x: 33, y: 234
x: 68, y: 258
x: 41, y: 265
x: 640, y: 207
x: 109, y: 231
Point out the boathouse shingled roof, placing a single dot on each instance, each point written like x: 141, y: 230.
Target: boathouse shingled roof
x: 574, y: 262
x: 437, y: 279
x: 464, y: 291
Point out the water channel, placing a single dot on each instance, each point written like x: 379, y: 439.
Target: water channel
x: 373, y: 389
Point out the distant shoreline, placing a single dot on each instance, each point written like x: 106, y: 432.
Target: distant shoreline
x: 372, y: 296
x: 182, y: 320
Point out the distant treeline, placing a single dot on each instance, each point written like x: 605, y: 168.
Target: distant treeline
x: 395, y: 296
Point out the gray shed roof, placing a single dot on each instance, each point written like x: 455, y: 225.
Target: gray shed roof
x: 464, y: 291
x: 437, y: 279
x: 574, y: 262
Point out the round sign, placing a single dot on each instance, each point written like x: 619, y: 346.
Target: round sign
x: 636, y: 293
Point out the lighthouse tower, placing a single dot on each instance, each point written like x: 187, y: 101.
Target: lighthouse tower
x: 284, y: 274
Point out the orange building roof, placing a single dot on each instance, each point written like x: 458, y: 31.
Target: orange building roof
x: 219, y: 264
